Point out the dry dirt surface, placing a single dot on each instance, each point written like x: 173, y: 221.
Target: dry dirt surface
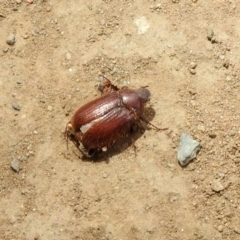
x: 187, y: 52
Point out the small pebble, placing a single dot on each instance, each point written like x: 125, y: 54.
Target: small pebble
x: 68, y: 56
x: 16, y: 106
x: 19, y: 82
x: 105, y: 175
x: 237, y: 230
x: 15, y: 165
x: 18, y: 1
x: 193, y: 65
x: 214, y: 40
x: 24, y: 158
x: 25, y: 36
x: 171, y: 165
x: 217, y: 185
x: 210, y: 34
x: 201, y: 128
x: 222, y: 57
x: 31, y: 153
x: 228, y: 78
x: 237, y: 160
x: 13, y: 219
x: 220, y: 228
x: 75, y: 208
x: 29, y: 1
x: 29, y: 147
x: 35, y: 132
x: 192, y: 71
x: 49, y: 108
x: 5, y: 50
x: 187, y: 150
x: 10, y: 39
x: 100, y: 78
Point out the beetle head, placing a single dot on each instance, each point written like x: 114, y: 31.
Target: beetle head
x: 69, y: 129
x: 144, y: 94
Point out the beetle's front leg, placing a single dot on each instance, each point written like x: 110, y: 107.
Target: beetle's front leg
x: 105, y: 86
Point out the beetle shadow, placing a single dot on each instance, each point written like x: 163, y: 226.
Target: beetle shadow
x: 126, y: 142
x: 149, y: 114
x: 118, y: 147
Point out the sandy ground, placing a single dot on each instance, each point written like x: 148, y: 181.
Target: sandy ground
x: 53, y: 67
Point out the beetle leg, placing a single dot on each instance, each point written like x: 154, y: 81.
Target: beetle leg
x: 106, y: 87
x: 68, y: 132
x: 134, y: 113
x: 94, y: 153
x: 75, y: 140
x: 84, y: 151
x: 131, y: 142
x: 156, y: 128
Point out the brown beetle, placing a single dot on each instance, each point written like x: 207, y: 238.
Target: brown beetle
x: 98, y: 124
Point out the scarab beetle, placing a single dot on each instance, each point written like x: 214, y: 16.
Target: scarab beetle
x: 98, y: 124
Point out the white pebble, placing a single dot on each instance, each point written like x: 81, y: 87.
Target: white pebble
x: 193, y: 65
x: 68, y: 56
x: 222, y: 57
x: 105, y: 175
x: 220, y: 228
x: 49, y: 108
